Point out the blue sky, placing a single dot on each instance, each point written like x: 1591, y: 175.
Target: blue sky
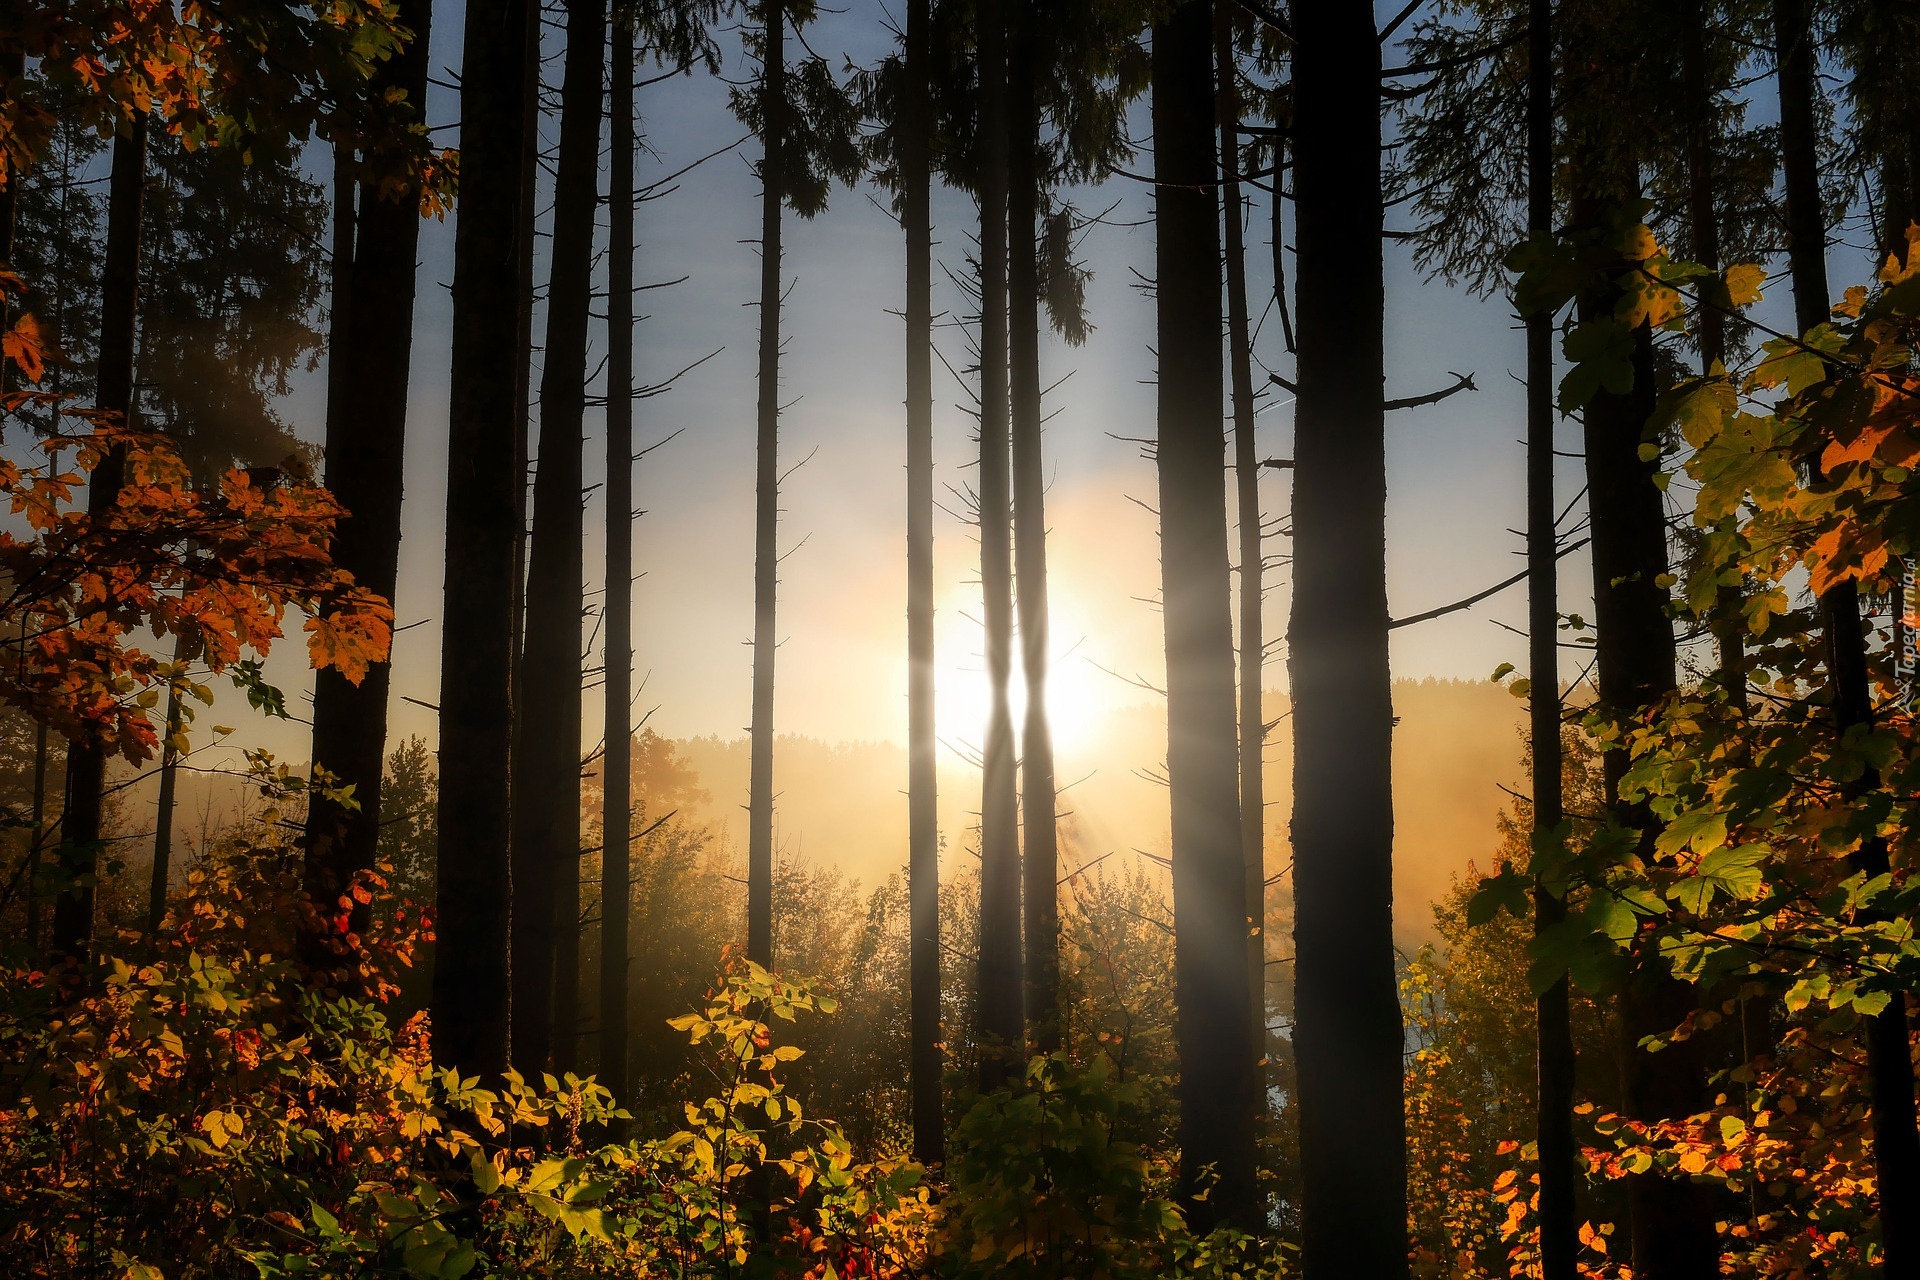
x: 1455, y: 469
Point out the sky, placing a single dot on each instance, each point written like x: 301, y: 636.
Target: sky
x: 1454, y: 469
x: 1455, y: 505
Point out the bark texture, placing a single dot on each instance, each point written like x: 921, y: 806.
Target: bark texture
x: 1246, y: 477
x: 923, y: 825
x: 1213, y: 1023
x: 1553, y: 1044
x: 546, y: 760
x: 1348, y: 1035
x: 1000, y: 992
x: 1040, y: 843
x: 616, y: 814
x: 470, y: 978
x: 113, y: 392
x: 766, y: 511
x: 369, y: 371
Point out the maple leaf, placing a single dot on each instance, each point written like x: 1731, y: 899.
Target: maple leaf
x: 24, y: 346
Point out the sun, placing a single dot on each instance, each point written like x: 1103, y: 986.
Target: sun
x: 1080, y: 697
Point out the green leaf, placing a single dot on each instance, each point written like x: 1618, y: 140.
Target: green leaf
x: 1601, y: 351
x: 1806, y: 991
x: 1791, y: 363
x: 1733, y: 870
x: 1571, y: 949
x: 546, y: 1175
x: 459, y: 1262
x: 1609, y: 915
x: 1507, y: 890
x: 1699, y: 830
x: 486, y: 1178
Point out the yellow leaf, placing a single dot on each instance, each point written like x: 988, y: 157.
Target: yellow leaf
x: 1744, y: 281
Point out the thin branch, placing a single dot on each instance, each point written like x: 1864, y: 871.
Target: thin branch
x: 1478, y: 596
x: 1464, y: 383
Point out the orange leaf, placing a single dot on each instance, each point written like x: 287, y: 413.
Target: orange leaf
x: 24, y: 346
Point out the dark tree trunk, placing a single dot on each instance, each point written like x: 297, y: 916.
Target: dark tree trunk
x: 1800, y: 159
x: 1213, y: 1024
x: 13, y: 67
x: 1703, y: 224
x: 1896, y: 1142
x: 41, y: 749
x: 1347, y: 1041
x: 368, y: 377
x: 523, y: 319
x: 1672, y: 1225
x: 163, y: 810
x: 119, y: 307
x: 1040, y: 848
x: 1002, y: 1026
x: 923, y: 825
x: 470, y: 979
x: 766, y: 511
x: 1553, y: 1043
x: 616, y: 813
x: 1246, y: 475
x: 1703, y: 221
x: 546, y: 748
x: 340, y: 280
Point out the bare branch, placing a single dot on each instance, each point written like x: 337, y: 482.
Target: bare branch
x: 1478, y: 596
x: 1464, y: 383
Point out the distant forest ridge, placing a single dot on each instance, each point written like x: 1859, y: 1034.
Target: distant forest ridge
x: 844, y: 805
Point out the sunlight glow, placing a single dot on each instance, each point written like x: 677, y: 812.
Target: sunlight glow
x: 1080, y: 696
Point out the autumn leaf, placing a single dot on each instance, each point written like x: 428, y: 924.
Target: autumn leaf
x: 24, y: 346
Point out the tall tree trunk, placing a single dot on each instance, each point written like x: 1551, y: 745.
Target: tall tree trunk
x: 1040, y: 847
x: 1896, y: 1142
x: 41, y: 752
x: 470, y: 979
x: 368, y: 379
x: 546, y: 748
x: 1703, y: 221
x: 113, y: 392
x: 340, y: 279
x: 1672, y: 1226
x: 616, y: 813
x: 1703, y: 225
x: 1347, y: 1011
x: 1553, y: 1036
x: 1246, y: 476
x: 766, y: 513
x: 1002, y: 1026
x: 1800, y: 159
x: 163, y: 810
x: 923, y: 825
x: 13, y: 70
x: 1212, y: 1026
x: 523, y: 318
